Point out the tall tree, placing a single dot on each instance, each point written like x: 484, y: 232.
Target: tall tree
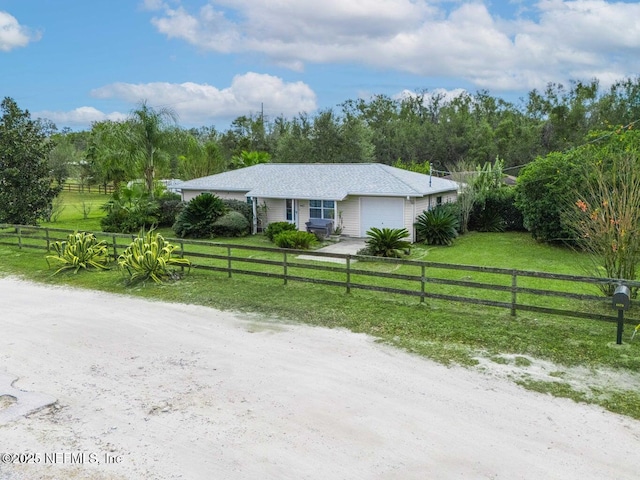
x: 107, y: 160
x: 146, y: 140
x: 27, y: 187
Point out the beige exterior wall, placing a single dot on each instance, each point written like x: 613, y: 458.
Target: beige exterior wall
x: 303, y: 214
x: 275, y: 209
x: 350, y: 208
x: 191, y: 194
x: 410, y: 214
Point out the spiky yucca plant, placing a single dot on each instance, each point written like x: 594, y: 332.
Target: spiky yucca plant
x: 387, y: 242
x: 79, y: 250
x: 149, y: 256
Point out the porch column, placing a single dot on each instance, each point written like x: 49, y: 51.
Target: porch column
x: 254, y: 204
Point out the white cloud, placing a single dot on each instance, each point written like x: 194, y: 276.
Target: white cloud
x: 196, y: 103
x: 12, y: 34
x: 80, y: 117
x: 437, y: 93
x: 556, y: 39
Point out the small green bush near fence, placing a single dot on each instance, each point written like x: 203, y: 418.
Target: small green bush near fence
x: 275, y: 228
x: 295, y: 240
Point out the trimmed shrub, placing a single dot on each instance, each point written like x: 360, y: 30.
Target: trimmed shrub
x: 169, y: 206
x: 437, y: 227
x: 276, y: 228
x: 231, y: 224
x: 168, y: 211
x: 387, y: 242
x: 246, y: 209
x: 79, y: 250
x: 295, y: 239
x: 197, y: 218
x: 149, y: 256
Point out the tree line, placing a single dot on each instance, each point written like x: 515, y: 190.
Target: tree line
x: 416, y: 128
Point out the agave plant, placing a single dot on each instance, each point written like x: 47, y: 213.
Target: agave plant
x: 437, y: 227
x: 387, y: 242
x: 79, y: 250
x: 149, y: 256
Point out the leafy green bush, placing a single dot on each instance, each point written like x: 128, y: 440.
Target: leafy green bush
x: 129, y: 210
x: 149, y: 256
x: 197, y: 218
x: 437, y: 227
x: 294, y: 239
x: 169, y: 206
x: 246, y: 209
x: 79, y: 250
x: 231, y: 224
x: 276, y: 228
x: 387, y: 242
x: 546, y: 187
x: 497, y: 212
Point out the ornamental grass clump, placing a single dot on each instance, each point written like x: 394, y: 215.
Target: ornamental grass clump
x: 150, y: 256
x: 79, y: 250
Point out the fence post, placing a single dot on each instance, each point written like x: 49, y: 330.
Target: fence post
x: 182, y: 254
x: 19, y: 231
x: 514, y: 286
x: 348, y: 273
x: 284, y: 263
x: 46, y: 233
x: 229, y: 260
x: 115, y: 251
x: 423, y: 275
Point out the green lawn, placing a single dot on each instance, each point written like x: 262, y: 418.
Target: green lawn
x: 444, y: 331
x: 79, y: 211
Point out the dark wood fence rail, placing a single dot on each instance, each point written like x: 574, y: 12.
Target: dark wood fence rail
x: 80, y: 188
x: 230, y: 261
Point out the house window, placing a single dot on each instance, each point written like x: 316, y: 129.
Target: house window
x: 322, y: 209
x: 438, y: 200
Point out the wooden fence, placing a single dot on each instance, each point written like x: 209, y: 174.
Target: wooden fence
x: 80, y: 188
x: 512, y: 289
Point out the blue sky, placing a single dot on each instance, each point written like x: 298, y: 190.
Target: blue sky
x: 79, y: 61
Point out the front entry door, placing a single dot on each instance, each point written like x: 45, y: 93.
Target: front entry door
x: 291, y: 211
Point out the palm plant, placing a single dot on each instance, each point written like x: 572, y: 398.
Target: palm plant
x: 129, y: 209
x: 79, y: 250
x: 387, y: 242
x: 147, y: 138
x: 437, y: 227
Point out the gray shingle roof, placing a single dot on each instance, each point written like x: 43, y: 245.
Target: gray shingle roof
x: 322, y: 181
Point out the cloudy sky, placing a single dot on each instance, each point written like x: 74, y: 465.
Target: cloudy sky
x: 79, y: 61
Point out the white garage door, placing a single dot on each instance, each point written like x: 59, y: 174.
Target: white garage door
x: 381, y: 213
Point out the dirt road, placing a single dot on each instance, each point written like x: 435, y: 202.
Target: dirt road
x: 149, y: 390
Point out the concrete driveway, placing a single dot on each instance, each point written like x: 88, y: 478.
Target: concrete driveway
x: 346, y: 246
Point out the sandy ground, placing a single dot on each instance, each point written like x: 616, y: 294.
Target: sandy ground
x: 164, y: 391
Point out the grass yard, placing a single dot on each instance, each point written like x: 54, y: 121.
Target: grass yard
x: 444, y: 331
x: 78, y: 211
